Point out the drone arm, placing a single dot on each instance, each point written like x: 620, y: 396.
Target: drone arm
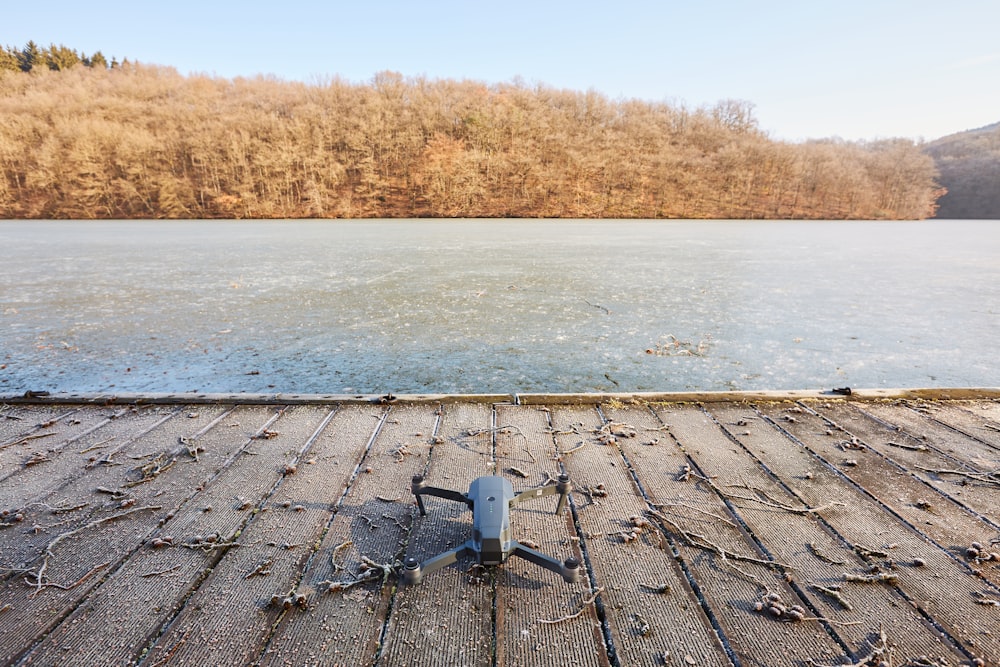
x: 414, y: 571
x: 562, y: 487
x: 420, y: 489
x: 568, y: 570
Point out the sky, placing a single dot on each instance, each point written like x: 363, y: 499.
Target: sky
x: 853, y: 69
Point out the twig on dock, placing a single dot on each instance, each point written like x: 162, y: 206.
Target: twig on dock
x: 263, y: 568
x: 573, y: 428
x: 66, y: 587
x: 868, y: 552
x: 873, y: 658
x: 473, y: 432
x: 912, y: 448
x: 39, y: 577
x: 662, y: 589
x: 696, y: 509
x: 981, y: 598
x: 336, y: 550
x: 153, y: 469
x: 369, y: 571
x: 822, y: 556
x: 777, y: 505
x: 96, y: 445
x: 583, y: 607
x: 701, y: 542
x: 26, y: 438
x: 166, y: 657
x: 157, y: 573
x: 992, y: 477
x: 62, y: 509
x: 191, y: 446
x: 833, y: 592
x: 877, y: 578
x: 598, y: 491
x: 37, y: 457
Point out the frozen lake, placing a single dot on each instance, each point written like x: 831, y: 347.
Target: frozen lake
x: 497, y: 306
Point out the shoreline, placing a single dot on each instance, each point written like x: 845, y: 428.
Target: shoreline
x: 284, y: 398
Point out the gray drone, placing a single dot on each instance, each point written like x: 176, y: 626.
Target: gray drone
x: 490, y: 499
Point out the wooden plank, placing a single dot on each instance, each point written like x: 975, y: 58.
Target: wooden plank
x: 887, y: 476
x: 979, y: 451
x: 31, y: 483
x: 124, y: 614
x: 77, y: 502
x: 729, y: 586
x: 17, y: 421
x: 527, y: 594
x: 273, y: 545
x: 987, y: 411
x: 631, y: 574
x: 947, y: 450
x: 50, y: 437
x: 757, y: 493
x: 945, y: 589
x: 447, y: 619
x: 983, y: 425
x: 345, y: 627
x: 732, y: 586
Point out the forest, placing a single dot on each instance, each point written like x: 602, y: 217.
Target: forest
x: 82, y: 138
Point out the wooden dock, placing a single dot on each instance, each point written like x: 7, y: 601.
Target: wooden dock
x: 753, y: 530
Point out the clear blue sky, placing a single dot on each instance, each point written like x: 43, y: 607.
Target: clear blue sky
x: 857, y: 69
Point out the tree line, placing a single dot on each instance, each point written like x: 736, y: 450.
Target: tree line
x: 138, y: 141
x: 53, y: 57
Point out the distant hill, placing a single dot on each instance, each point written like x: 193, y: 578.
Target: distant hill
x: 969, y: 163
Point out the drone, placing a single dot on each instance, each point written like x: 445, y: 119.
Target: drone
x: 490, y: 499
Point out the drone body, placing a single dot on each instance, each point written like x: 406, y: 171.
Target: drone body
x: 490, y: 499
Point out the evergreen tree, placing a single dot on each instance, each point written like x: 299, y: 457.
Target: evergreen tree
x: 97, y: 61
x: 8, y: 59
x: 61, y: 57
x: 30, y: 56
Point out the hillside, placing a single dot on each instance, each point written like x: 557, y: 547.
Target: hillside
x: 137, y: 141
x: 969, y: 164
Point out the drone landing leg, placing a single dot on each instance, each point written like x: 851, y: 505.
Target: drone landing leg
x: 419, y: 490
x: 414, y: 571
x: 568, y: 570
x: 563, y: 487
